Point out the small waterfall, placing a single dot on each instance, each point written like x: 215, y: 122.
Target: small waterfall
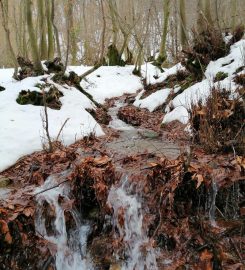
x: 128, y: 219
x: 70, y: 245
x: 212, y: 208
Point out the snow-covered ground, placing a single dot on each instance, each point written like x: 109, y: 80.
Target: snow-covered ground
x: 178, y: 108
x: 21, y: 129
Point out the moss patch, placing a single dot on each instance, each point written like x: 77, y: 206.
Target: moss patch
x: 220, y: 76
x: 37, y: 99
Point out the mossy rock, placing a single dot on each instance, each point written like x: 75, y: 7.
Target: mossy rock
x: 4, y: 182
x: 220, y: 76
x: 1, y: 88
x: 37, y: 99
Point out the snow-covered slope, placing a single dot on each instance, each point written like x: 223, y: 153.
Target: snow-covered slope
x: 200, y: 91
x: 177, y: 109
x: 21, y: 130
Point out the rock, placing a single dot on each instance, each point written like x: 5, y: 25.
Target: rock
x: 4, y: 182
x: 2, y: 88
x: 149, y: 134
x: 115, y: 267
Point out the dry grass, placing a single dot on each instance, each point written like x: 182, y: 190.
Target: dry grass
x: 219, y: 124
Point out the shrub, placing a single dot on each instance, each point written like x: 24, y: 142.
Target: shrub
x: 218, y: 124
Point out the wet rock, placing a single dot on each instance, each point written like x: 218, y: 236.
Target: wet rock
x: 102, y: 250
x: 4, y: 182
x: 149, y: 134
x: 115, y: 267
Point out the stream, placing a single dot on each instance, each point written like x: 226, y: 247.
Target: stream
x: 70, y: 245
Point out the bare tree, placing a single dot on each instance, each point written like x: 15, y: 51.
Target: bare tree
x: 207, y: 11
x: 56, y: 32
x: 32, y: 37
x: 162, y: 52
x: 42, y: 30
x: 50, y: 30
x: 5, y: 23
x: 183, y: 34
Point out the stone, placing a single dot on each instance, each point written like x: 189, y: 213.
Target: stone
x: 4, y: 182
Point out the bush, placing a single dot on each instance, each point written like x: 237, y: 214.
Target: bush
x: 218, y: 125
x: 207, y: 46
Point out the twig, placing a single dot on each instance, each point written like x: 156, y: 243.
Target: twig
x: 46, y: 123
x: 160, y: 216
x: 236, y: 249
x: 50, y: 188
x: 62, y: 128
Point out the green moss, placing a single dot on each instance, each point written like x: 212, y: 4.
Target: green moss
x: 37, y: 99
x: 38, y: 85
x: 220, y: 76
x: 114, y: 58
x: 240, y: 69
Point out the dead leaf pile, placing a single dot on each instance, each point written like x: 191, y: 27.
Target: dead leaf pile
x: 140, y: 117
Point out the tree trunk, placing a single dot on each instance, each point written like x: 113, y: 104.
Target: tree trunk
x: 42, y: 28
x: 4, y: 13
x: 162, y: 52
x: 112, y: 5
x: 208, y: 12
x: 103, y: 33
x: 183, y: 34
x: 73, y: 39
x: 32, y: 37
x: 50, y: 31
x: 233, y: 14
x: 55, y: 31
x: 200, y: 24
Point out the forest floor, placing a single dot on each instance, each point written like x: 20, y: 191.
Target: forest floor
x: 192, y: 223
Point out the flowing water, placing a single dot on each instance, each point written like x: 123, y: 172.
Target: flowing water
x: 131, y: 141
x: 70, y: 245
x: 128, y: 219
x: 212, y: 209
x: 71, y: 252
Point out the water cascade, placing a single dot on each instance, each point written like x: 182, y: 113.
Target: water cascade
x: 70, y: 244
x: 138, y: 251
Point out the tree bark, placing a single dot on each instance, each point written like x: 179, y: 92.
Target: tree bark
x: 200, y: 24
x: 32, y: 37
x: 4, y: 13
x: 208, y: 12
x: 43, y: 42
x: 162, y: 52
x: 183, y: 34
x: 50, y: 31
x: 56, y: 32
